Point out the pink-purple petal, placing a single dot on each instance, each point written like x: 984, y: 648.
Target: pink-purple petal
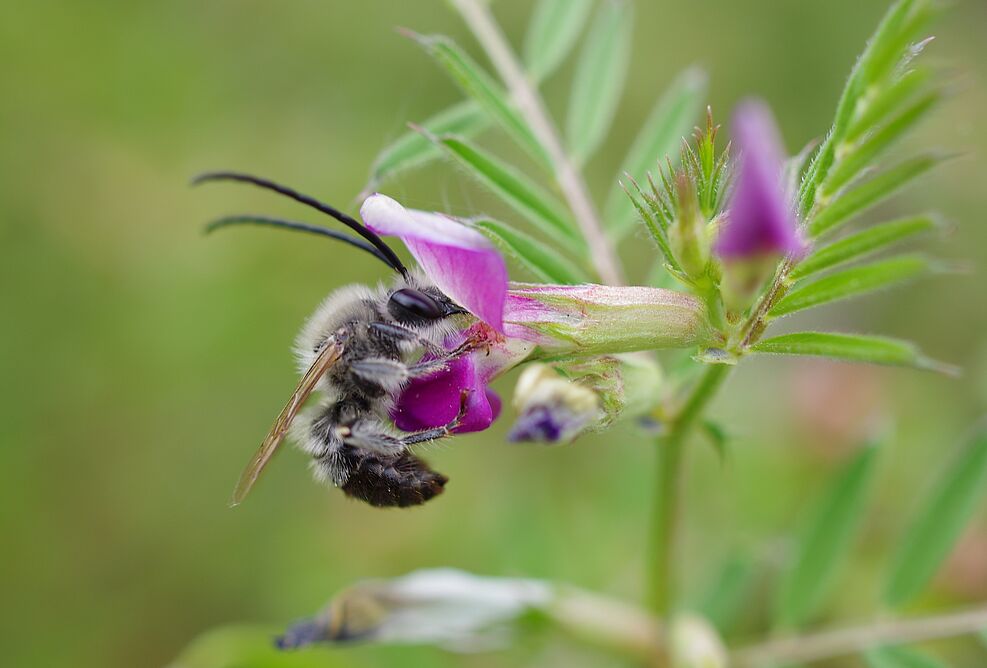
x: 760, y: 219
x: 459, y: 260
x: 434, y: 401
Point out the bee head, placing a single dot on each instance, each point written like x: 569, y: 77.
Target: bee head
x: 411, y: 306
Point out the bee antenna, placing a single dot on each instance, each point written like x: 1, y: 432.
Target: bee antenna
x: 392, y: 259
x: 248, y: 219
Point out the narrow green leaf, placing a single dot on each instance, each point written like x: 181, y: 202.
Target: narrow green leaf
x: 851, y: 282
x: 861, y: 244
x: 870, y: 193
x: 652, y: 225
x: 517, y: 190
x: 884, y: 102
x: 862, y: 156
x: 900, y: 657
x: 412, y: 149
x: 599, y: 78
x: 893, y: 38
x: 886, y: 47
x: 718, y: 438
x: 554, y: 29
x: 542, y: 260
x: 671, y: 119
x: 941, y: 519
x: 849, y: 347
x: 824, y: 547
x: 480, y: 86
x: 724, y: 600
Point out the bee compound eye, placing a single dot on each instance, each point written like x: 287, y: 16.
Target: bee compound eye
x: 413, y: 306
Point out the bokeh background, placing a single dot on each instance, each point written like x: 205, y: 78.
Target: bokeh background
x: 141, y: 363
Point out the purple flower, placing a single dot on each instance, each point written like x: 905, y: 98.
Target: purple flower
x: 760, y: 220
x: 434, y: 401
x: 466, y: 267
x: 461, y: 261
x: 549, y: 319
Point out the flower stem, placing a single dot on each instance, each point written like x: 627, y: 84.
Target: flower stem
x: 477, y: 16
x: 845, y: 641
x: 667, y: 494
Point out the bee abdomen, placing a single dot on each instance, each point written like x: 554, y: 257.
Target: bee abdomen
x: 401, y: 481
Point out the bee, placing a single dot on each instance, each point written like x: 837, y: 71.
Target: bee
x: 360, y: 348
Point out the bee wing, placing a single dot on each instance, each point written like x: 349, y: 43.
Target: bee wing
x: 329, y: 355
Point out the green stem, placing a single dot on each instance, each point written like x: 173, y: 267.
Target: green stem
x: 665, y: 513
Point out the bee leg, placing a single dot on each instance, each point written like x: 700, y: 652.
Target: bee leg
x: 371, y: 436
x: 440, y: 432
x: 387, y: 374
x: 404, y: 335
x: 401, y: 481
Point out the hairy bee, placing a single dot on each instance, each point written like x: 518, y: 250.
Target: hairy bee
x: 360, y: 349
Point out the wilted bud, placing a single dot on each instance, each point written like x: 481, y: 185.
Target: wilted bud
x: 445, y: 607
x: 694, y: 643
x: 556, y: 405
x: 601, y: 320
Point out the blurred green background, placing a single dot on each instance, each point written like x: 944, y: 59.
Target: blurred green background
x: 141, y: 363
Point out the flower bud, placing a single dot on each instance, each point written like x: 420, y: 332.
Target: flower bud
x: 760, y: 225
x: 598, y: 319
x: 556, y: 405
x: 688, y: 232
x: 550, y: 408
x: 694, y: 643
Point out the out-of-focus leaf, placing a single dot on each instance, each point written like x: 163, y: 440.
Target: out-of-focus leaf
x: 861, y: 244
x: 942, y: 517
x: 870, y: 193
x: 826, y: 541
x: 900, y: 657
x: 517, y: 190
x: 852, y: 282
x: 862, y: 156
x: 671, y: 119
x: 412, y: 149
x: 599, y: 78
x: 480, y: 86
x: 718, y: 437
x: 724, y: 600
x: 541, y: 259
x: 850, y: 347
x: 553, y: 31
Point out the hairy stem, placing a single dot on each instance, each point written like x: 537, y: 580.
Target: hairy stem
x: 842, y: 642
x: 667, y: 494
x: 477, y: 16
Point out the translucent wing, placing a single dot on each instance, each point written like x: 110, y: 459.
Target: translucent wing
x: 329, y: 355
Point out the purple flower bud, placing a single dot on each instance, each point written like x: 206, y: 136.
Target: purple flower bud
x: 760, y: 220
x: 551, y: 408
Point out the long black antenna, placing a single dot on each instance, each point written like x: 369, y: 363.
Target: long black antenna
x: 350, y: 222
x: 267, y: 221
